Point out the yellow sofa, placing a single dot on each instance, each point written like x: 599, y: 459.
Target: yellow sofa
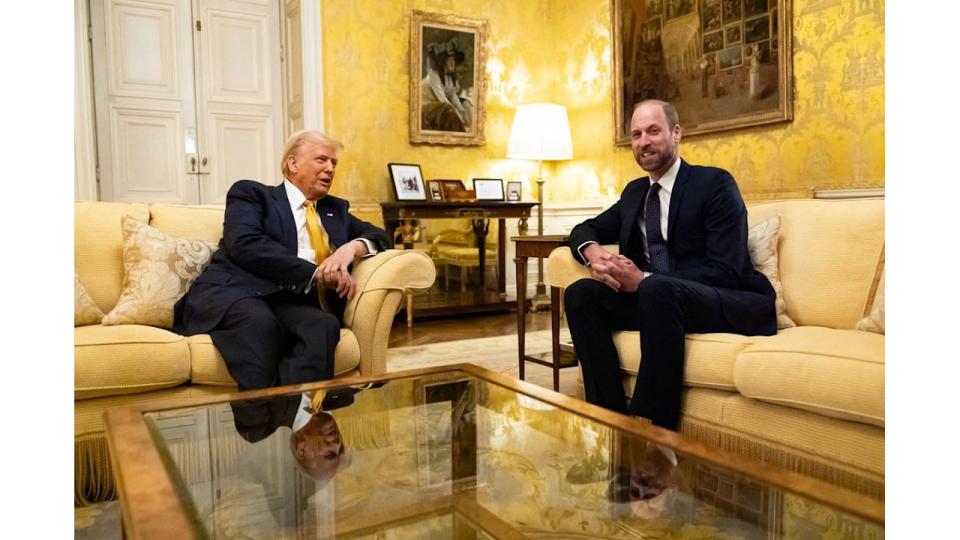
x: 130, y: 364
x: 811, y: 398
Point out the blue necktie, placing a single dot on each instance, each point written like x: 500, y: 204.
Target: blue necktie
x: 656, y: 245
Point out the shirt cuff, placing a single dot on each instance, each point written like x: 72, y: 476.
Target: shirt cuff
x: 312, y: 282
x: 580, y: 250
x: 371, y: 248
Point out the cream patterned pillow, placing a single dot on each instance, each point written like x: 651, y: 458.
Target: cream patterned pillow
x: 762, y: 243
x: 158, y: 270
x: 875, y: 321
x: 85, y: 310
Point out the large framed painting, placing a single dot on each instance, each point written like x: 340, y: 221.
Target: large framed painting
x: 724, y: 64
x: 447, y: 79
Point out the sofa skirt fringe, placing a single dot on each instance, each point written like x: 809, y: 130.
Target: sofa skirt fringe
x: 93, y: 480
x: 790, y: 461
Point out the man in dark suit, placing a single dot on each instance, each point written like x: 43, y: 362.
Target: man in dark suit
x: 274, y: 292
x: 683, y: 267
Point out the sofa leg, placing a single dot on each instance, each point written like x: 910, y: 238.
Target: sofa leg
x: 409, y: 297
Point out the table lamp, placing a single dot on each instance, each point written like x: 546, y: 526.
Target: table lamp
x: 540, y: 132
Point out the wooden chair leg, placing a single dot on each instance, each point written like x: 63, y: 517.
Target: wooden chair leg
x: 463, y: 279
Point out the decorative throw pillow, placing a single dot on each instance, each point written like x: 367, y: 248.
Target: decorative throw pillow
x: 158, y: 270
x: 762, y: 243
x: 874, y: 322
x: 85, y: 310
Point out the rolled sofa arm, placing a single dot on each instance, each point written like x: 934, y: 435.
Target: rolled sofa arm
x: 563, y: 268
x: 382, y: 281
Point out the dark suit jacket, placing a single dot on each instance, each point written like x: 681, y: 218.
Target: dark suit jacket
x: 706, y: 240
x: 257, y: 255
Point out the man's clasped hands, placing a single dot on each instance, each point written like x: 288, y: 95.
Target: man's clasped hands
x: 616, y: 271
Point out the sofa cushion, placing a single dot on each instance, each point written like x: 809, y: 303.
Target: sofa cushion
x: 207, y: 366
x: 98, y: 247
x: 830, y: 254
x: 194, y: 222
x: 709, y: 358
x: 837, y: 373
x: 876, y: 320
x: 127, y: 359
x: 158, y: 270
x: 762, y: 242
x: 85, y: 310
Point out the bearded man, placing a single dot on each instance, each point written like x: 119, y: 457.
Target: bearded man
x: 683, y: 267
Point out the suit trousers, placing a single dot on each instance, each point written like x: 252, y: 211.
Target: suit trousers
x: 663, y: 309
x: 275, y: 340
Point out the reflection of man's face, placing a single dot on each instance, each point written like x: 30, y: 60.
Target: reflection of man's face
x: 317, y: 446
x: 450, y: 65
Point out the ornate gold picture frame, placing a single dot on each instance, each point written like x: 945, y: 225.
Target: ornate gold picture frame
x: 447, y: 79
x: 725, y: 64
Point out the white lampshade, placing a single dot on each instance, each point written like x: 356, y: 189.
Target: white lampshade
x: 540, y: 131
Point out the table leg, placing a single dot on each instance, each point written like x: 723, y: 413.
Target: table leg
x: 521, y: 263
x: 502, y: 258
x: 480, y: 228
x: 555, y: 331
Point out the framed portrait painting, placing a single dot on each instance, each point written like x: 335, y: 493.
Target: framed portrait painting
x: 717, y: 61
x: 447, y: 79
x: 407, y: 179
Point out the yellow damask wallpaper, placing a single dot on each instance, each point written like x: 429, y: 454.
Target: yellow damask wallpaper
x: 561, y: 51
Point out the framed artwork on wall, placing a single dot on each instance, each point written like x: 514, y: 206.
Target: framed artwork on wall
x: 725, y: 66
x: 488, y: 189
x: 514, y: 189
x: 407, y: 180
x: 447, y: 79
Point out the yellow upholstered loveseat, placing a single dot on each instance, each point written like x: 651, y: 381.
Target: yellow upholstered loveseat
x: 811, y: 398
x: 129, y: 364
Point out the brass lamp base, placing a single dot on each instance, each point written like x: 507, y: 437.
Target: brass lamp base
x: 540, y: 301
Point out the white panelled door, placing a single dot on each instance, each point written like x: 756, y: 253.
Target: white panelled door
x: 188, y: 97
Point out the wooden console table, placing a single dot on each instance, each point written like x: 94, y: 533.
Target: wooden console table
x: 540, y: 247
x: 395, y: 214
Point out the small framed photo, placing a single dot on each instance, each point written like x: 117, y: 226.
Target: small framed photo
x: 407, y: 181
x: 435, y: 189
x: 488, y: 189
x: 514, y: 189
x: 451, y: 187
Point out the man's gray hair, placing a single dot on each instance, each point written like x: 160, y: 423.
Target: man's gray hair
x: 300, y: 138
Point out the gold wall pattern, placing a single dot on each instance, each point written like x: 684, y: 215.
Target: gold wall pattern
x: 561, y: 50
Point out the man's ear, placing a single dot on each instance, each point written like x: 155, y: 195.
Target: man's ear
x: 297, y: 445
x: 292, y: 164
x: 677, y: 133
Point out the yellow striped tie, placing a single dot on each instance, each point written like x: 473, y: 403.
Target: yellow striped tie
x: 316, y: 401
x: 318, y: 236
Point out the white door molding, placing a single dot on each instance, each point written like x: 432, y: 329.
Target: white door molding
x: 84, y: 134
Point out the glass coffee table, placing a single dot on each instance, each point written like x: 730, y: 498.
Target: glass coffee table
x: 448, y: 452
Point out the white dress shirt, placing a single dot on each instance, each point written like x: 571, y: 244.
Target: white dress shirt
x: 304, y: 246
x: 666, y: 189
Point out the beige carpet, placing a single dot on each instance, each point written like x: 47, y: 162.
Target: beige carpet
x: 494, y: 353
